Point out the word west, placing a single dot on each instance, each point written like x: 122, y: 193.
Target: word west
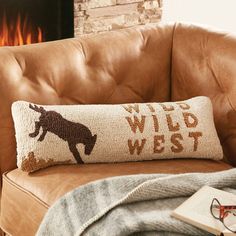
x: 137, y: 124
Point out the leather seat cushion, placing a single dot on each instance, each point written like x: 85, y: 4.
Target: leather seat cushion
x: 30, y: 195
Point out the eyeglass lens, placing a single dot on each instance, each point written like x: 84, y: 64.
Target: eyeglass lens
x: 229, y: 220
x: 215, y: 208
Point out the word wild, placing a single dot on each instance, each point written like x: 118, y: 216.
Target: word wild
x: 137, y: 125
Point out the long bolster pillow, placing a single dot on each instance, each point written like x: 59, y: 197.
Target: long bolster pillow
x: 47, y: 135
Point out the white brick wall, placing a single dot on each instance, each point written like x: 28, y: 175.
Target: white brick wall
x: 92, y: 16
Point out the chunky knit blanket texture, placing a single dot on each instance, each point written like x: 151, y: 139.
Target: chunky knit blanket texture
x: 131, y: 205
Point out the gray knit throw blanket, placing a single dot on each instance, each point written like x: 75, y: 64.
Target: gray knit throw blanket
x: 130, y: 205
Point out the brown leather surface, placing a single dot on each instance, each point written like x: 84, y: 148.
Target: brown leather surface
x: 21, y: 211
x: 203, y: 63
x: 26, y: 197
x: 131, y: 65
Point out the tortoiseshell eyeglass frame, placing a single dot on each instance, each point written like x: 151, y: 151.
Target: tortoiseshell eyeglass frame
x: 224, y: 211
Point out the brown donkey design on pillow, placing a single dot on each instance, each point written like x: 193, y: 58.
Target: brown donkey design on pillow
x: 71, y: 132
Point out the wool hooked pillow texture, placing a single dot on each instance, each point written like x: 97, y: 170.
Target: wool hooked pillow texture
x: 57, y: 134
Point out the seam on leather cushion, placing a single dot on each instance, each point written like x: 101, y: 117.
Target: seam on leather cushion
x: 9, y: 181
x: 6, y: 233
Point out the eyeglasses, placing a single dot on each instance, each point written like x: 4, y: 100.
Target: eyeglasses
x: 224, y: 213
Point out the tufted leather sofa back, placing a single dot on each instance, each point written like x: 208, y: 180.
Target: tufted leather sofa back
x: 144, y: 64
x: 204, y: 63
x: 131, y: 65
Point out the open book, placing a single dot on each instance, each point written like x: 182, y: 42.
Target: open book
x: 196, y: 210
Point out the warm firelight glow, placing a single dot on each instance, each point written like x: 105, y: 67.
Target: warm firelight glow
x: 19, y: 32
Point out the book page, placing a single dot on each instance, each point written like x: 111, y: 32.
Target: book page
x: 196, y: 209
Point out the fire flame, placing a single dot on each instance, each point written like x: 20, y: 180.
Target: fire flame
x: 18, y: 33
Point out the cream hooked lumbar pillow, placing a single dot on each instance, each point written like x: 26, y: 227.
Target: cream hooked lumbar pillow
x: 59, y: 134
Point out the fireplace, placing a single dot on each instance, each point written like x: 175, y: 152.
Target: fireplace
x: 32, y: 21
x: 27, y: 21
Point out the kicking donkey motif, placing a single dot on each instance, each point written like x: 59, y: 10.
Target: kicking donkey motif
x: 71, y: 132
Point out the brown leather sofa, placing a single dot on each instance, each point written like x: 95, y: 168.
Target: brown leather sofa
x: 144, y: 64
